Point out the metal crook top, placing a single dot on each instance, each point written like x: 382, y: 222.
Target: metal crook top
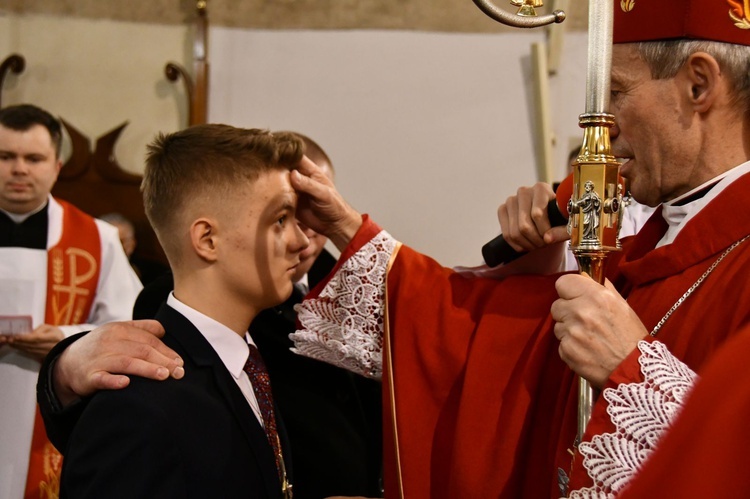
x: 516, y: 20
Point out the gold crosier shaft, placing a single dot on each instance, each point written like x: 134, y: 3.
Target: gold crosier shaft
x: 594, y: 209
x: 595, y: 206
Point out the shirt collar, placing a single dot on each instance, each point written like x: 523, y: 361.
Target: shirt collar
x: 677, y: 214
x: 232, y: 349
x: 20, y: 217
x: 303, y: 285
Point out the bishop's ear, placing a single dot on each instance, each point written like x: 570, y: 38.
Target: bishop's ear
x: 203, y: 238
x: 704, y: 78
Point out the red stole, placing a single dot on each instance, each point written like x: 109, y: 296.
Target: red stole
x: 72, y: 275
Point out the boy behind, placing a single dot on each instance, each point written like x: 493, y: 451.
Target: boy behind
x: 223, y: 208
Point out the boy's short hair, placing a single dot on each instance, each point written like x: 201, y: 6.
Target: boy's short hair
x: 22, y: 117
x: 201, y: 166
x: 313, y: 151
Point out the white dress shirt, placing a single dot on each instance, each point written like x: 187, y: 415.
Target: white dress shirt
x: 231, y: 348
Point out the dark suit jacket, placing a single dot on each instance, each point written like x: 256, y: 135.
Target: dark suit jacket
x: 194, y: 437
x: 332, y: 417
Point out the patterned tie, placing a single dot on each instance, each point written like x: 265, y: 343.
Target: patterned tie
x: 256, y: 371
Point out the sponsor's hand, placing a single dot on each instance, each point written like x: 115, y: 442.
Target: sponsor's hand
x: 102, y: 359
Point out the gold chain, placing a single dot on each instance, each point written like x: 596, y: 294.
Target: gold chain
x: 695, y: 285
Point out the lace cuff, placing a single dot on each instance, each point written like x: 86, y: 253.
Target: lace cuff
x: 641, y: 413
x: 344, y: 324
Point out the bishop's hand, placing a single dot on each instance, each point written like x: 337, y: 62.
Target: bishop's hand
x: 321, y: 207
x: 596, y: 327
x: 524, y: 219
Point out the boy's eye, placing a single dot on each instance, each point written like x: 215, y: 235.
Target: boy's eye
x: 281, y: 220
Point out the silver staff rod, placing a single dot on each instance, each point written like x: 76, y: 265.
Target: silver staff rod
x: 599, y: 56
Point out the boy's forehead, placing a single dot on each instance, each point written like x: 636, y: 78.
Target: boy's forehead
x: 273, y: 188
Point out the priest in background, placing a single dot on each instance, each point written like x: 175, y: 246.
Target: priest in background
x: 61, y: 272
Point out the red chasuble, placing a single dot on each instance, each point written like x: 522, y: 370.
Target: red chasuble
x: 483, y: 406
x: 477, y: 400
x: 478, y: 403
x: 481, y: 400
x: 73, y: 267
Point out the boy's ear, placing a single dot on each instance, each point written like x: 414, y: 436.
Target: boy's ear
x: 704, y: 77
x: 203, y: 238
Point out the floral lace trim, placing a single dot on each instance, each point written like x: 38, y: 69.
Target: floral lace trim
x: 344, y: 325
x: 641, y: 413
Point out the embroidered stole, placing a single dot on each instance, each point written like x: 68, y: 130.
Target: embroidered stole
x: 73, y: 267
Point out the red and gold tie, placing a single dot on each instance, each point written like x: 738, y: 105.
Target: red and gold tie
x: 256, y: 371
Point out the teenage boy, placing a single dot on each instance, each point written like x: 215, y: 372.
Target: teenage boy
x: 221, y: 203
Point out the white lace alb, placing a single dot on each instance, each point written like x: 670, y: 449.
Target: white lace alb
x: 641, y: 413
x: 344, y: 325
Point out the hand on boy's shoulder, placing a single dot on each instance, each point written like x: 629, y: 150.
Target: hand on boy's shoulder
x: 103, y: 359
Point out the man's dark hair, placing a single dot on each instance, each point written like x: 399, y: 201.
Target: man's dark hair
x: 24, y: 116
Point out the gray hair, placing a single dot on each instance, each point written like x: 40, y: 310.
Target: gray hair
x: 666, y: 57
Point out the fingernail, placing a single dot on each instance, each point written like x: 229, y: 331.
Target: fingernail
x: 162, y: 373
x: 179, y: 361
x: 178, y: 373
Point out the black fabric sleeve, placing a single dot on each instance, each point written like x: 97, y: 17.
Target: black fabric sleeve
x: 58, y: 421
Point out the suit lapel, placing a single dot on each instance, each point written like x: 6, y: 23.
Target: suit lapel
x: 204, y: 356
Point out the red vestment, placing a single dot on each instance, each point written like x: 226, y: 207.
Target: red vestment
x: 653, y: 280
x: 478, y: 403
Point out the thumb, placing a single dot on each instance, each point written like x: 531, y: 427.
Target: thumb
x: 307, y: 185
x: 556, y: 234
x: 307, y: 167
x: 300, y: 182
